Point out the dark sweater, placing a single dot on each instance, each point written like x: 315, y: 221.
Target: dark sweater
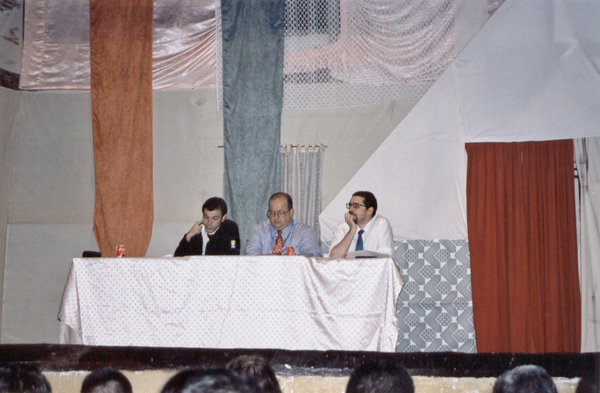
x: 219, y: 243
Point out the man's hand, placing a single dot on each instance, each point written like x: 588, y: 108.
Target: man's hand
x: 341, y: 249
x: 196, y: 228
x: 351, y: 221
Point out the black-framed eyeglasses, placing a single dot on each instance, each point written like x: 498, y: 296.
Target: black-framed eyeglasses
x: 280, y: 213
x: 354, y: 205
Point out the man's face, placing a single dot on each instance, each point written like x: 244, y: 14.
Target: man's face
x: 284, y: 215
x: 361, y: 214
x: 212, y: 219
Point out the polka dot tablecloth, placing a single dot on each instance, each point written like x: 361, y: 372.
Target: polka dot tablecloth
x: 283, y: 302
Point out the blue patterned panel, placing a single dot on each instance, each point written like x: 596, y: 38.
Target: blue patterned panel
x: 435, y: 307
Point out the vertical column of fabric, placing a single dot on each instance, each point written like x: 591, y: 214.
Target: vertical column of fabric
x: 252, y: 101
x: 121, y: 96
x: 587, y: 152
x: 522, y: 236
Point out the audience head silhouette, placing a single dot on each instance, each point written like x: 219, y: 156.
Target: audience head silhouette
x: 106, y: 380
x: 23, y: 379
x: 525, y: 379
x: 217, y: 380
x: 587, y: 384
x: 257, y: 368
x: 380, y: 377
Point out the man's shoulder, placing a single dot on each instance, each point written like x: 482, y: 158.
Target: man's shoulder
x: 343, y: 225
x: 300, y: 226
x: 380, y: 218
x: 229, y: 226
x: 261, y: 226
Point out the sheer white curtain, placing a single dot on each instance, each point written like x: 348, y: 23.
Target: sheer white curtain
x: 338, y: 53
x: 587, y: 161
x: 301, y: 177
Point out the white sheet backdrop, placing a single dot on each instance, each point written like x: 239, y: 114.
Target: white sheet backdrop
x: 531, y: 73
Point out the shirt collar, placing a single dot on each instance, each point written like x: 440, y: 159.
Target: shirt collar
x: 212, y: 233
x: 286, y: 231
x: 369, y: 225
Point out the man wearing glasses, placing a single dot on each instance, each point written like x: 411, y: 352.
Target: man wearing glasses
x: 281, y: 234
x: 362, y: 229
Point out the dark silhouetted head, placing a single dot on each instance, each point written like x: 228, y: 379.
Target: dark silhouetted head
x: 257, y: 368
x: 525, y: 379
x: 18, y: 378
x: 218, y: 380
x: 106, y: 380
x: 380, y: 377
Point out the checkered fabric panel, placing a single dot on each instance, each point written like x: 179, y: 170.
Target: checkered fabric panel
x: 435, y: 307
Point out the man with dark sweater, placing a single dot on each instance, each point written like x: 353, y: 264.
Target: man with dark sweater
x: 214, y: 235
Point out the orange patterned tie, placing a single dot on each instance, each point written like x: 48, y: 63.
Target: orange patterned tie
x: 278, y: 244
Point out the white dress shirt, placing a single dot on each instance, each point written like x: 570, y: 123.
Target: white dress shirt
x: 377, y: 236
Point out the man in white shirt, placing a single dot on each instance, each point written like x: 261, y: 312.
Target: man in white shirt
x: 362, y: 229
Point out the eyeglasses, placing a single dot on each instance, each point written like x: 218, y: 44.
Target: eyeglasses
x: 280, y: 213
x: 354, y: 205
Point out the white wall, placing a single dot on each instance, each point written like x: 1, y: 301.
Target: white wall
x: 49, y: 185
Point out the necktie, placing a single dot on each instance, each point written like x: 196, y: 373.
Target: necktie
x: 359, y: 241
x: 278, y: 244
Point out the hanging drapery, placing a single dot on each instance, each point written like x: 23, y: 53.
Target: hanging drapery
x: 301, y: 177
x: 56, y: 51
x: 338, y: 53
x: 253, y: 96
x: 521, y: 219
x: 587, y: 161
x: 121, y: 94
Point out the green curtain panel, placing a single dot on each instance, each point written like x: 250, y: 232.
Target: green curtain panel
x: 252, y: 101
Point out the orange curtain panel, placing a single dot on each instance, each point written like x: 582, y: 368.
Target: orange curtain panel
x: 121, y: 95
x: 523, y: 244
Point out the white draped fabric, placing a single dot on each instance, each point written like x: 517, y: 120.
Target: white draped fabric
x: 337, y: 53
x: 56, y: 52
x: 530, y: 74
x: 301, y: 178
x: 587, y: 159
x: 291, y: 302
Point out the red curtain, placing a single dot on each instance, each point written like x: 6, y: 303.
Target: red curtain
x: 523, y: 245
x: 121, y: 92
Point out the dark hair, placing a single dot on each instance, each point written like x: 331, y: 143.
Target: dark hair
x: 256, y: 367
x: 525, y: 379
x: 215, y: 203
x: 22, y: 378
x: 215, y: 380
x: 369, y: 199
x: 380, y: 377
x: 106, y: 380
x: 587, y: 384
x: 290, y: 205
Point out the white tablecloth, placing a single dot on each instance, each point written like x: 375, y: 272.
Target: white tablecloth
x: 284, y: 302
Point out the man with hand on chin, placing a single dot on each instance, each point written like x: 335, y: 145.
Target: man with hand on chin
x: 362, y: 229
x: 214, y: 235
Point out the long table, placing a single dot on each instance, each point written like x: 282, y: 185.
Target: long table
x: 277, y: 302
